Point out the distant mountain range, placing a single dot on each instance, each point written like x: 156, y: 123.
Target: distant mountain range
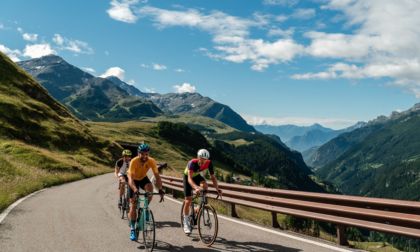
x: 190, y: 103
x: 382, y: 159
x: 317, y: 137
x: 87, y: 97
x: 287, y: 132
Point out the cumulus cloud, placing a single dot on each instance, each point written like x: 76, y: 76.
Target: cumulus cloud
x: 279, y: 32
x: 20, y: 30
x: 88, y: 69
x: 280, y: 2
x: 158, y: 67
x: 303, y: 13
x: 149, y: 90
x: 114, y: 71
x: 76, y: 46
x: 12, y: 54
x: 38, y: 50
x: 144, y: 65
x: 334, y: 123
x: 179, y: 70
x: 122, y: 11
x: 30, y: 37
x: 185, y: 88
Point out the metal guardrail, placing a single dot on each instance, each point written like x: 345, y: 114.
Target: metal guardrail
x: 396, y: 217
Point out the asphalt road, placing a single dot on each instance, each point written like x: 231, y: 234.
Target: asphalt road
x: 83, y: 216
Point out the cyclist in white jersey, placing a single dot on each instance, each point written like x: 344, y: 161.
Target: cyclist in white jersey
x: 121, y: 168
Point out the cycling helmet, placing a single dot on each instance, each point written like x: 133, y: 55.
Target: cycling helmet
x: 143, y: 148
x: 203, y: 153
x: 127, y: 153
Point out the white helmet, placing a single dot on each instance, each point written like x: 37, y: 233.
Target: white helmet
x: 203, y: 153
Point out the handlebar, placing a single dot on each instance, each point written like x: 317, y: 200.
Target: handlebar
x: 208, y: 191
x: 148, y: 194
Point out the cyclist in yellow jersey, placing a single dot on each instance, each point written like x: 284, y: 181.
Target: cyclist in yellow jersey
x: 137, y: 177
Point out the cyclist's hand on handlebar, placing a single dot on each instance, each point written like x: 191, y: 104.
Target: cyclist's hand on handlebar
x: 161, y: 192
x: 198, y: 190
x: 220, y: 193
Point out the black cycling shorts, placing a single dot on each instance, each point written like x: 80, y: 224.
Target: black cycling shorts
x: 125, y: 176
x: 139, y: 183
x: 187, y: 187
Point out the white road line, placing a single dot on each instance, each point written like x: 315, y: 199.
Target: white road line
x: 10, y: 208
x: 275, y: 232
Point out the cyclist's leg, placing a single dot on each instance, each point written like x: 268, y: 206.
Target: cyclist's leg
x: 199, y: 180
x: 123, y: 181
x: 133, y: 204
x: 188, y: 194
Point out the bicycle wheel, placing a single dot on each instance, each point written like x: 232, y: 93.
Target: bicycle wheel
x: 207, y: 225
x: 149, y: 231
x: 190, y: 220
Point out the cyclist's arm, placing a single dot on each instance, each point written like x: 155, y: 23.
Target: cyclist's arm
x: 131, y: 182
x: 158, y: 180
x: 117, y: 170
x: 216, y: 185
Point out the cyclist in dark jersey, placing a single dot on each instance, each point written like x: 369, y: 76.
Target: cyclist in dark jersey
x: 193, y: 180
x: 121, y: 168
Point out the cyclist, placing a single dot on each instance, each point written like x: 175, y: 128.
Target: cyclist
x: 137, y: 177
x: 192, y: 179
x: 121, y: 168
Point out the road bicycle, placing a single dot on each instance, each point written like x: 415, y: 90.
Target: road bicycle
x: 125, y: 207
x: 144, y: 224
x: 205, y: 219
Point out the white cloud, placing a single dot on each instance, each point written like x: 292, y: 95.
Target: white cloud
x: 158, y: 67
x: 334, y: 123
x: 38, y: 50
x: 131, y: 82
x: 58, y: 39
x: 178, y: 6
x: 303, y: 13
x: 20, y: 30
x: 114, y: 71
x: 3, y: 27
x: 106, y: 52
x: 281, y: 18
x: 185, y: 88
x: 121, y: 11
x: 151, y: 90
x: 179, y: 70
x: 143, y: 65
x: 280, y: 2
x: 76, y: 46
x: 279, y: 32
x: 88, y: 69
x: 12, y: 54
x: 30, y: 37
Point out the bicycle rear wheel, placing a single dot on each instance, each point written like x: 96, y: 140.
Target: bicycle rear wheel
x: 190, y: 220
x: 207, y: 225
x: 149, y: 231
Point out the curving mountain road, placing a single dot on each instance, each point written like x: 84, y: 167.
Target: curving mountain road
x: 83, y: 215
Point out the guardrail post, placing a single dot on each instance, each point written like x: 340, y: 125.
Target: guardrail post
x: 173, y: 193
x: 233, y: 211
x: 342, y: 240
x: 274, y: 222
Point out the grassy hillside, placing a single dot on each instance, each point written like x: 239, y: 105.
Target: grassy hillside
x: 396, y: 144
x: 41, y: 142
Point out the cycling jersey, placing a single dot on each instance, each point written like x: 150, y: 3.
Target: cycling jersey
x: 139, y: 169
x: 195, y: 169
x: 123, y: 166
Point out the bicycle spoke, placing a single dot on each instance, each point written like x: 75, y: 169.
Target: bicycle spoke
x: 149, y: 231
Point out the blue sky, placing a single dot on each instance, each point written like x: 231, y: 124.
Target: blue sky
x: 273, y: 61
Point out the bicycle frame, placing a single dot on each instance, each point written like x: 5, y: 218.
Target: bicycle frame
x: 203, y: 202
x: 145, y: 199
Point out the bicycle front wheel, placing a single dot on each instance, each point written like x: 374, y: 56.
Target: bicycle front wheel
x: 207, y: 225
x: 149, y: 231
x: 122, y: 207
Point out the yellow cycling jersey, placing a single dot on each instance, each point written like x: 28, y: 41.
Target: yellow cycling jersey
x: 139, y: 169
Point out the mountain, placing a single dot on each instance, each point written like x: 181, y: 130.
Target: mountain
x: 306, y: 155
x: 190, y: 103
x: 87, y: 97
x: 287, y: 132
x: 251, y: 138
x: 388, y: 156
x: 42, y: 143
x: 317, y: 137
